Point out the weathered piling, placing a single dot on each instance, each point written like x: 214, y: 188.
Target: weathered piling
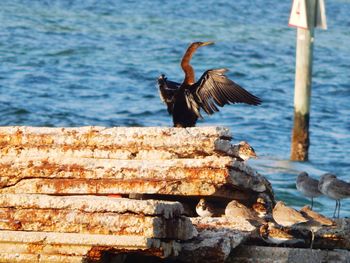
x: 303, y: 81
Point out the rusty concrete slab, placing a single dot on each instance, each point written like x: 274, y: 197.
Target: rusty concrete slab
x: 93, y: 215
x: 92, y: 204
x: 204, y: 176
x: 70, y: 221
x: 119, y: 142
x: 99, y: 160
x: 110, y: 186
x: 49, y: 243
x: 39, y: 258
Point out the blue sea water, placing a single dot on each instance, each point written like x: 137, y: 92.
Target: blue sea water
x: 75, y: 63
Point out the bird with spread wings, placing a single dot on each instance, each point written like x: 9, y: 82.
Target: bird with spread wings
x: 185, y: 100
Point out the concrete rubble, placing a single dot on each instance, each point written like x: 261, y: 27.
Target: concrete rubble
x: 216, y: 239
x: 95, y: 215
x: 115, y: 143
x: 22, y: 246
x: 88, y: 160
x: 64, y: 195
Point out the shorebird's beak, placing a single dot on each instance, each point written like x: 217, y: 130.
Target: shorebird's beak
x: 253, y: 154
x: 207, y: 43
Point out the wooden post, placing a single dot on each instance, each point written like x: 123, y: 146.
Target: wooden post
x: 302, y: 92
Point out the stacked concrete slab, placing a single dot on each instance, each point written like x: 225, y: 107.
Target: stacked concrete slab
x: 64, y: 194
x: 96, y: 160
x: 53, y: 228
x: 58, y: 189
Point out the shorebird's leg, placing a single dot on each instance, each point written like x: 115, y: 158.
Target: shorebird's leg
x: 336, y: 206
x: 312, y: 202
x: 312, y: 238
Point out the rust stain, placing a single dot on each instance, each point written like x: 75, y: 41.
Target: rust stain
x: 300, y: 137
x: 74, y: 221
x: 45, y: 139
x: 97, y: 252
x: 8, y: 219
x: 45, y: 168
x: 207, y: 173
x: 119, y: 186
x: 49, y: 168
x: 88, y: 138
x: 89, y: 141
x: 17, y: 137
x: 35, y: 248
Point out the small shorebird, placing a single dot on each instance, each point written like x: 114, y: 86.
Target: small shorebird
x: 204, y: 208
x: 287, y: 216
x: 243, y: 151
x: 308, y: 186
x: 316, y: 217
x: 273, y: 235
x: 335, y: 189
x: 260, y: 207
x: 235, y: 209
x: 316, y: 222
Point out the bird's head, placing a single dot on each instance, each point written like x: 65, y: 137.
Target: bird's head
x: 202, y: 203
x: 246, y: 151
x: 201, y: 44
x: 302, y: 176
x: 263, y: 231
x: 279, y: 205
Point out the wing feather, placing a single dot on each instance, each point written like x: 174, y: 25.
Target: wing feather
x: 167, y: 91
x: 192, y: 104
x: 215, y: 89
x: 343, y: 188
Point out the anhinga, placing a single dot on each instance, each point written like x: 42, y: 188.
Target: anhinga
x: 211, y: 90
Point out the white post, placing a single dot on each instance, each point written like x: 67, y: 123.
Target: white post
x: 303, y: 80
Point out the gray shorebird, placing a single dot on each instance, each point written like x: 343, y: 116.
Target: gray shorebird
x: 204, y: 208
x: 335, y: 189
x: 287, y: 216
x: 308, y: 186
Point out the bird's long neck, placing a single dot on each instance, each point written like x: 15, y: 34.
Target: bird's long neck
x: 186, y: 67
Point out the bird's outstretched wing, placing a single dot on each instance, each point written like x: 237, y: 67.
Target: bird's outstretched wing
x: 215, y: 89
x: 167, y: 90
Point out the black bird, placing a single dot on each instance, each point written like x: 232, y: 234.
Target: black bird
x: 213, y: 89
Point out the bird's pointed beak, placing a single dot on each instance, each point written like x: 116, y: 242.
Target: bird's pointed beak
x: 254, y: 155
x: 207, y: 43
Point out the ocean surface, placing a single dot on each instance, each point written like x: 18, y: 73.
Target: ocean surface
x: 76, y: 63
